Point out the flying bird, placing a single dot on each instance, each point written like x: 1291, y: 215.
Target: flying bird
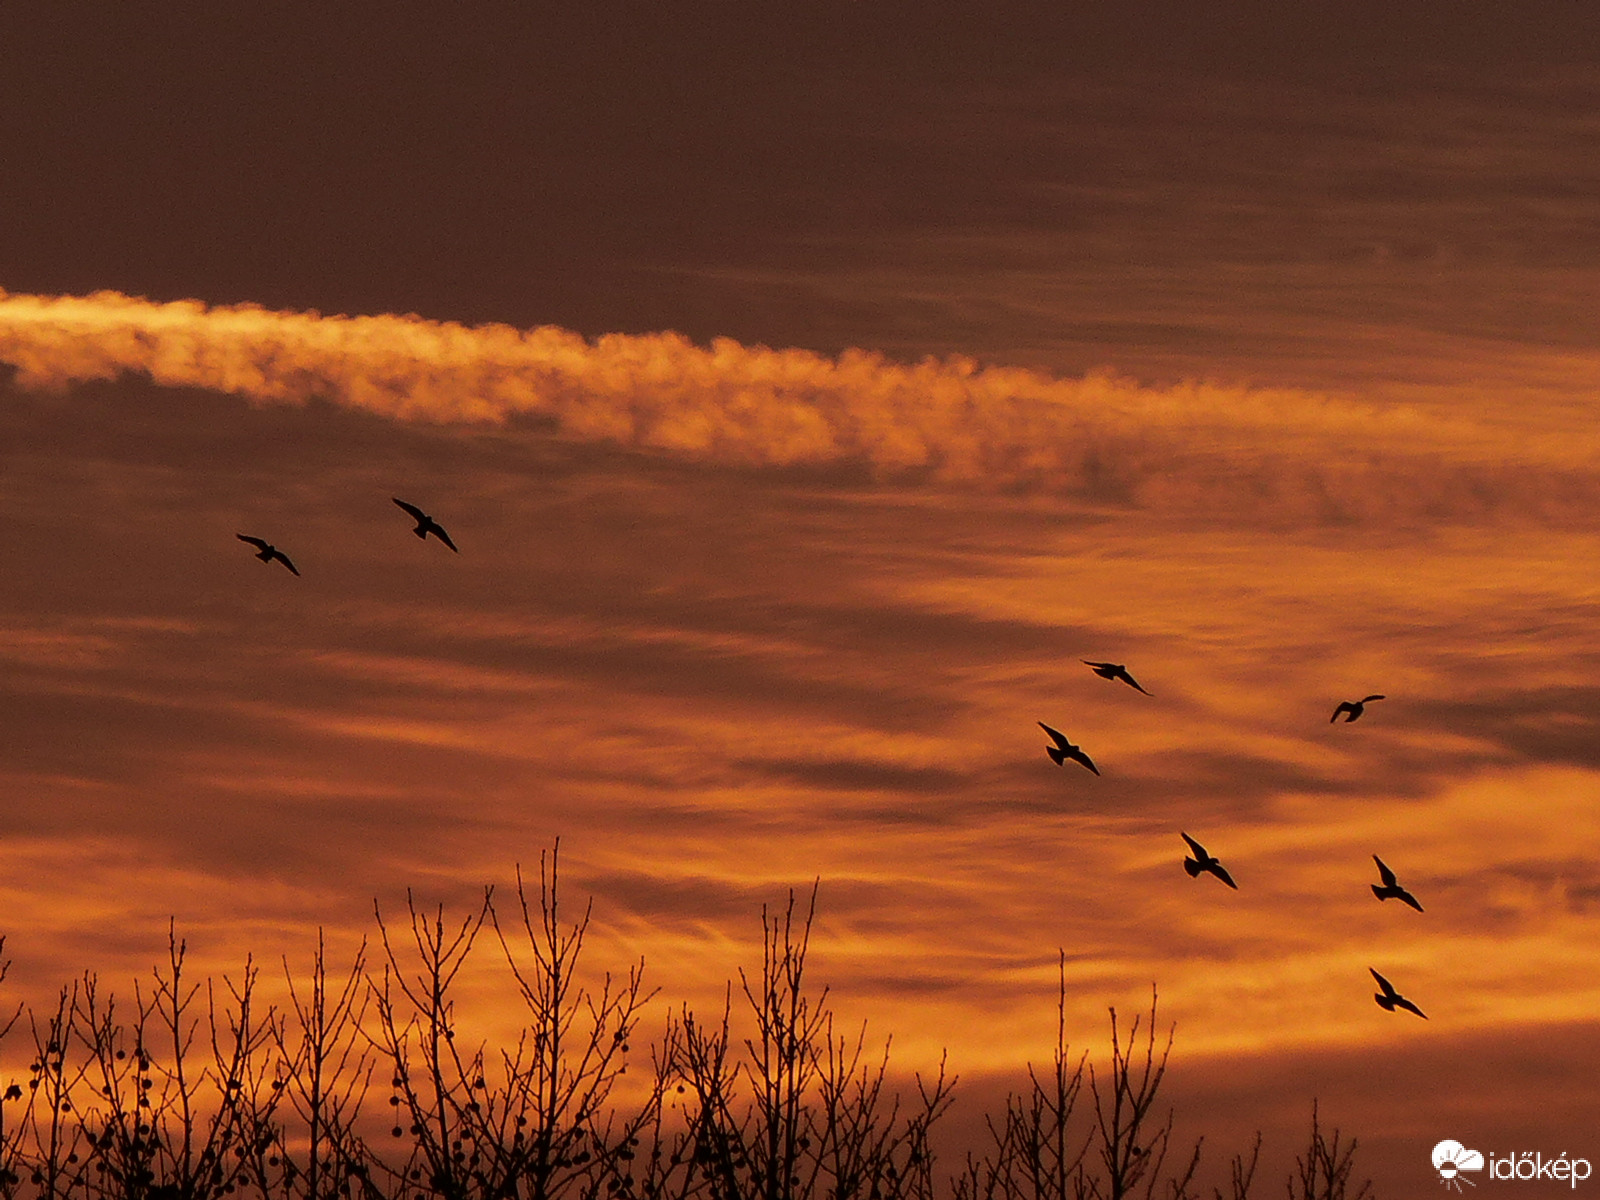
x: 1205, y: 862
x: 1113, y: 671
x: 1063, y: 750
x: 266, y: 551
x: 1391, y: 999
x: 1354, y: 707
x: 1391, y: 888
x: 426, y: 524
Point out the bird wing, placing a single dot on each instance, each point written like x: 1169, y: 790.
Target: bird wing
x: 1131, y: 681
x: 1410, y: 1007
x: 443, y: 536
x: 1389, y: 879
x: 410, y: 508
x: 284, y: 559
x: 1388, y: 988
x: 258, y: 543
x: 1221, y: 872
x: 1365, y: 699
x: 1077, y: 755
x: 1059, y: 738
x: 1407, y: 898
x: 1344, y: 707
x: 1097, y: 666
x: 1199, y: 850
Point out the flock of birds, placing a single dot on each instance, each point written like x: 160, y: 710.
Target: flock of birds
x: 266, y: 551
x: 1201, y: 860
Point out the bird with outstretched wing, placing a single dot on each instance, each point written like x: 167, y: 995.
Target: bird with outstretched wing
x: 1203, y: 861
x: 266, y: 551
x: 1114, y: 671
x: 1351, y: 709
x: 1063, y: 750
x: 425, y: 524
x: 1391, y: 999
x: 1391, y: 889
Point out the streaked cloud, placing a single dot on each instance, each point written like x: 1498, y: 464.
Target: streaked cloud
x: 719, y: 677
x: 1261, y: 360
x: 1225, y: 452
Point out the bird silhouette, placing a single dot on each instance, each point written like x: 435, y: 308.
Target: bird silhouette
x: 1063, y: 750
x: 1113, y: 671
x: 1205, y: 862
x: 1391, y: 999
x: 1353, y: 707
x: 266, y: 551
x: 425, y: 524
x: 1391, y: 888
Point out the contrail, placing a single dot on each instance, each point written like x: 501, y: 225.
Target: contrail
x: 1224, y: 450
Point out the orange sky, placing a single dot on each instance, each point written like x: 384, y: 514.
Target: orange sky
x: 717, y: 678
x: 1277, y: 389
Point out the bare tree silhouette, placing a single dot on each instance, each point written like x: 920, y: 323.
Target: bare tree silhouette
x: 11, y: 1128
x: 1039, y: 1152
x: 1241, y: 1174
x: 322, y: 1071
x: 193, y: 1092
x: 416, y: 1032
x: 534, y: 1120
x: 54, y: 1131
x: 175, y: 1123
x: 816, y: 1120
x: 1325, y: 1170
x: 1131, y: 1147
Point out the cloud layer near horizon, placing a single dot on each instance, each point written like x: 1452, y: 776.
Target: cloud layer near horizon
x: 719, y: 684
x: 1251, y: 453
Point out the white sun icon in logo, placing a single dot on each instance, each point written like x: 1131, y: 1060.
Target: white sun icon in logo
x: 1451, y: 1158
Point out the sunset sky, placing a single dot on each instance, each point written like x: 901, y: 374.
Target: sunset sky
x: 808, y: 393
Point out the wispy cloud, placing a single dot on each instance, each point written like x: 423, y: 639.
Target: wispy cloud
x: 717, y: 685
x: 1195, y: 448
